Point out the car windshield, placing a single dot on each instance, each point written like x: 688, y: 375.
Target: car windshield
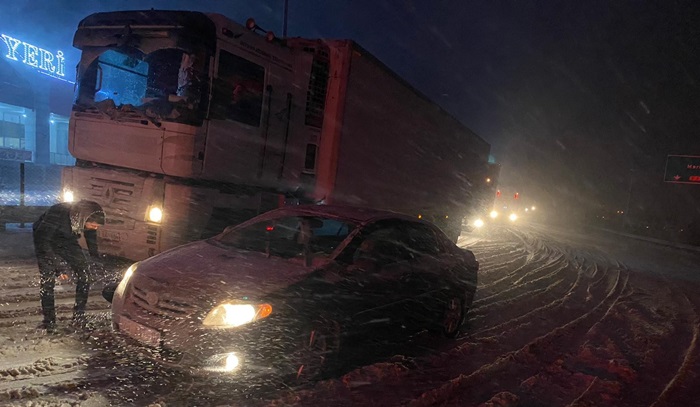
x: 164, y: 85
x: 290, y: 236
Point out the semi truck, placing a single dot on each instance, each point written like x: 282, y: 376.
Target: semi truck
x: 185, y: 122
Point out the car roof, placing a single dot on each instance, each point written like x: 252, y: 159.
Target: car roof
x: 353, y: 214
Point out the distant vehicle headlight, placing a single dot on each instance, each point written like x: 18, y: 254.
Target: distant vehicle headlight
x: 155, y: 214
x: 68, y: 195
x: 513, y: 217
x: 493, y: 214
x: 478, y: 223
x: 125, y: 280
x: 229, y: 315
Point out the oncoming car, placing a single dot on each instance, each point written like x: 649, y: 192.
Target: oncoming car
x: 479, y: 222
x: 286, y: 290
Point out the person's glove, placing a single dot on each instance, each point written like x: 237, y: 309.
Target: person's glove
x: 62, y: 271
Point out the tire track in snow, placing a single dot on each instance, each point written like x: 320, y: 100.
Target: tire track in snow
x: 511, y: 367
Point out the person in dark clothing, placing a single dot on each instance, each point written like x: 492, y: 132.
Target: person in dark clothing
x: 56, y: 235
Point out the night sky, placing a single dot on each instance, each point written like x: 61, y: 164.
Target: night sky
x: 581, y: 101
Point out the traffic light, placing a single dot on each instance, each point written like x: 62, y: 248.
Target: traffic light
x: 517, y: 195
x: 498, y: 193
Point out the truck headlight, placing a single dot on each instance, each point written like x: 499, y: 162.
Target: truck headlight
x: 155, y: 214
x: 228, y: 315
x: 68, y: 195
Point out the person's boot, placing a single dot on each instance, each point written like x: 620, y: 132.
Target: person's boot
x: 48, y: 323
x: 48, y: 326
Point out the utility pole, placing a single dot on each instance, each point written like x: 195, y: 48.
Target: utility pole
x: 286, y: 12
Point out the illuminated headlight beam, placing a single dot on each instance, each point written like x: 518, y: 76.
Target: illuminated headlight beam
x: 68, y: 195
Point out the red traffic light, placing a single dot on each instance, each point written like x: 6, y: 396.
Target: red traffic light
x: 498, y: 193
x: 517, y: 195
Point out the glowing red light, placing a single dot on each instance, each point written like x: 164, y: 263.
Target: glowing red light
x: 270, y: 228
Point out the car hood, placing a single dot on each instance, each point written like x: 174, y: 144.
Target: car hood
x: 215, y: 272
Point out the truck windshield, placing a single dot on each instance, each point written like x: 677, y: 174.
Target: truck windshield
x: 165, y: 85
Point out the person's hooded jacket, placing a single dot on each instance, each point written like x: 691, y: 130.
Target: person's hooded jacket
x: 57, y: 231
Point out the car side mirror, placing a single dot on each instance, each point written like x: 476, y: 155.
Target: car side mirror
x: 108, y: 291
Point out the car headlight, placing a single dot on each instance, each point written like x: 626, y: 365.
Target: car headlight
x: 478, y: 223
x: 513, y: 217
x: 493, y: 214
x: 125, y: 280
x: 228, y: 315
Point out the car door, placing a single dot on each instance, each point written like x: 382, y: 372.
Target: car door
x: 431, y: 269
x: 376, y: 263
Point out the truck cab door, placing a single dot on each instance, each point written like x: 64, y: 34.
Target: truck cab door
x: 250, y: 116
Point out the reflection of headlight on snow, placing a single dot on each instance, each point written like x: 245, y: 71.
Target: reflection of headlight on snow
x: 513, y: 217
x: 231, y: 315
x: 224, y: 362
x: 68, y: 195
x: 155, y: 214
x: 493, y: 214
x: 478, y: 223
x: 125, y: 280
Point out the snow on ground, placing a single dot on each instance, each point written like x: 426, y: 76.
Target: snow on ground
x: 560, y: 319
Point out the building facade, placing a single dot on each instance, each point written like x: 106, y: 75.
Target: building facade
x: 36, y: 95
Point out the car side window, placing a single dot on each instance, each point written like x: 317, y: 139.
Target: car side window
x: 381, y: 249
x: 380, y: 245
x: 421, y: 239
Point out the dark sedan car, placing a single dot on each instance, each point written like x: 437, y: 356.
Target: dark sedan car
x: 286, y: 290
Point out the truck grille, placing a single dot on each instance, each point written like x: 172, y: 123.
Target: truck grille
x: 170, y: 308
x: 116, y: 197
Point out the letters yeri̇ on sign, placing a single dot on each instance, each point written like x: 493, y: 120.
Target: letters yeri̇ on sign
x: 48, y: 62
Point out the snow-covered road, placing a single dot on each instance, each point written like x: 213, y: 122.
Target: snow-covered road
x: 560, y: 319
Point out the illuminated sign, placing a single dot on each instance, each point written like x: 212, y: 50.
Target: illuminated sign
x: 45, y: 61
x: 682, y: 169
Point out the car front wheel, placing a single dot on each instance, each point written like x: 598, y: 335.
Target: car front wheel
x: 453, y: 314
x: 318, y: 351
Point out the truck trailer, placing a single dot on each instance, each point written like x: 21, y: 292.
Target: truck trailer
x: 184, y: 123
